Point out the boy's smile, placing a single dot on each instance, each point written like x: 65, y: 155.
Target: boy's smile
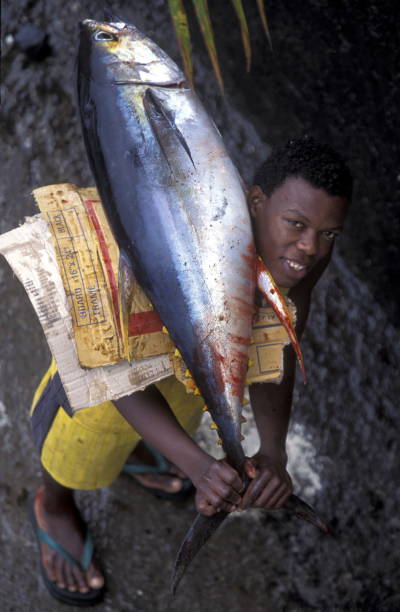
x: 295, y: 227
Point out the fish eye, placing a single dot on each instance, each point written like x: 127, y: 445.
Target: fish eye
x: 103, y: 36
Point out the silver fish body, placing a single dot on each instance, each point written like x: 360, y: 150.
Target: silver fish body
x: 176, y: 206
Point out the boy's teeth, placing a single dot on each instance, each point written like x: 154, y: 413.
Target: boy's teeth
x: 294, y: 265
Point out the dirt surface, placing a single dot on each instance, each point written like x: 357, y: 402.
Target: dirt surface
x: 333, y: 75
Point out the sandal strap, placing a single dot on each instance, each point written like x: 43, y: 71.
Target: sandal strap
x: 87, y: 553
x: 162, y: 465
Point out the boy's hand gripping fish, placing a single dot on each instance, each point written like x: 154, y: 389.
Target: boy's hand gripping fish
x: 178, y: 211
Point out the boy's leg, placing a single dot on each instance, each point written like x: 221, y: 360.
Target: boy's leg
x: 57, y: 514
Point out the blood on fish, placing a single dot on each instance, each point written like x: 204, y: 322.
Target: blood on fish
x: 234, y: 375
x: 237, y: 370
x: 239, y: 340
x: 242, y: 307
x: 218, y: 359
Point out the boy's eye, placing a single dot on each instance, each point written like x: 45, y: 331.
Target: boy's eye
x: 296, y: 224
x: 330, y: 235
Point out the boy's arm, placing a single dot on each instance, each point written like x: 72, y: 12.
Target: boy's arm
x: 217, y: 483
x: 271, y: 404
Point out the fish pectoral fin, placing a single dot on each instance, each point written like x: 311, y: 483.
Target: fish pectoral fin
x: 270, y: 291
x: 200, y: 531
x: 163, y: 125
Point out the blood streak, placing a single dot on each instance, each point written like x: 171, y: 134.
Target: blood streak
x: 239, y: 339
x: 230, y: 370
x: 242, y: 307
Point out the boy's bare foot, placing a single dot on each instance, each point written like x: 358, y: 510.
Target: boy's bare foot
x: 169, y: 483
x: 62, y: 522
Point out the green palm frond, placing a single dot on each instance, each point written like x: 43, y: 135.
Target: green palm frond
x: 263, y: 17
x: 244, y: 31
x: 180, y: 21
x: 203, y: 17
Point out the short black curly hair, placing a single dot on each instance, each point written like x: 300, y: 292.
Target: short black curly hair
x: 304, y: 157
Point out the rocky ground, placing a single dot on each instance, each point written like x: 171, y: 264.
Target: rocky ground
x: 333, y: 75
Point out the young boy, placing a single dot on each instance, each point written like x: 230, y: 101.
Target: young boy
x: 298, y: 206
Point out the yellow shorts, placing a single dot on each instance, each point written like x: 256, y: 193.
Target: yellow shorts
x: 87, y: 449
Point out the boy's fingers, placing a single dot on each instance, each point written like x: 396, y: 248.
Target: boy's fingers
x: 204, y: 508
x: 270, y: 497
x: 263, y: 491
x: 226, y: 493
x: 219, y: 492
x: 250, y: 468
x: 208, y: 509
x: 283, y: 499
x: 226, y: 507
x: 229, y: 475
x: 211, y: 498
x: 254, y: 490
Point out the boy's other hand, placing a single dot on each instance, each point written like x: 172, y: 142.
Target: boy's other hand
x: 270, y: 484
x: 218, y: 489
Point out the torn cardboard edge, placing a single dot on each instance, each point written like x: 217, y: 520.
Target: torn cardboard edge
x: 30, y: 253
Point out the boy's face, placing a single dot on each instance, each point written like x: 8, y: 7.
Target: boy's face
x: 295, y: 227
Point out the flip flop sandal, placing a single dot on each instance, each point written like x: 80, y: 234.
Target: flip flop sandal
x: 75, y: 598
x: 163, y: 467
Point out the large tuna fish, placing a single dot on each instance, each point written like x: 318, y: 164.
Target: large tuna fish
x: 178, y: 210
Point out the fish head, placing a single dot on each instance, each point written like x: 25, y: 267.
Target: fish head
x: 119, y: 53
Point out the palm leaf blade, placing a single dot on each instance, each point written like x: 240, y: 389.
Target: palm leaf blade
x: 263, y: 17
x: 203, y: 17
x: 181, y: 26
x: 244, y: 31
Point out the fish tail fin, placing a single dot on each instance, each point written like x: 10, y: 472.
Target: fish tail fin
x: 301, y: 510
x: 270, y: 291
x: 203, y: 527
x: 200, y: 531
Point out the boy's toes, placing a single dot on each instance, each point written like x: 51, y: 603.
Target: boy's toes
x: 79, y: 581
x: 164, y: 482
x: 170, y: 484
x: 94, y: 578
x: 71, y: 583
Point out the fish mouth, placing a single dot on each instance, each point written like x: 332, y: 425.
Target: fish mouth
x: 167, y: 85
